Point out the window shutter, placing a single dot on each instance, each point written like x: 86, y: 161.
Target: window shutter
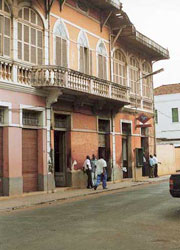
x: 33, y: 54
x: 20, y: 41
x: 90, y: 63
x: 40, y: 34
x: 58, y: 51
x: 26, y: 34
x: 40, y: 56
x: 87, y: 55
x: 7, y: 36
x: 104, y: 68
x: 33, y: 36
x: 175, y: 117
x: 64, y: 53
x: 100, y: 66
x: 81, y: 58
x: 26, y: 52
x: 1, y: 34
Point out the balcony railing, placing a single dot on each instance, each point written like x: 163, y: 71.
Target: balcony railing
x: 53, y: 76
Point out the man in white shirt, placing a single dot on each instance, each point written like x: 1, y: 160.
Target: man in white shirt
x: 88, y: 169
x: 101, y: 167
x: 155, y: 165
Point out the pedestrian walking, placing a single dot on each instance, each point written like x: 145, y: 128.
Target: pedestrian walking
x: 93, y: 173
x: 151, y: 166
x: 88, y: 169
x: 155, y: 165
x: 101, y: 168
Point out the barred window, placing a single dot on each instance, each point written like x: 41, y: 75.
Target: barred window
x: 31, y: 118
x: 1, y: 115
x: 134, y: 76
x: 102, y: 65
x: 119, y: 68
x: 30, y: 36
x: 5, y: 29
x: 60, y: 121
x: 61, y: 45
x: 147, y: 87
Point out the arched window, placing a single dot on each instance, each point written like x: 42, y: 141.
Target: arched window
x: 146, y: 82
x: 119, y: 68
x: 30, y: 36
x: 61, y: 45
x: 102, y: 65
x: 5, y: 29
x: 134, y: 76
x: 85, y: 55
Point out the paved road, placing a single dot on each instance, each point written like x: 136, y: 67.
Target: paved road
x: 141, y: 218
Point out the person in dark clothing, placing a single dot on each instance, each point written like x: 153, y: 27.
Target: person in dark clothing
x: 88, y: 169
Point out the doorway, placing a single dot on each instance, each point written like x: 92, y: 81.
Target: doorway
x: 60, y: 169
x: 126, y: 150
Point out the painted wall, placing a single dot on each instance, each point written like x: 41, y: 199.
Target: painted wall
x: 168, y: 165
x: 165, y: 128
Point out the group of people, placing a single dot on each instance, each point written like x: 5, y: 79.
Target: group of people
x: 153, y: 166
x: 96, y: 171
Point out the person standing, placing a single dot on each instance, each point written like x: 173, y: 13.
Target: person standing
x: 144, y: 165
x: 151, y: 166
x: 155, y: 165
x: 93, y: 173
x: 88, y: 169
x: 101, y: 168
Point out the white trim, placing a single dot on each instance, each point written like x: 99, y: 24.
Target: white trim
x: 78, y: 27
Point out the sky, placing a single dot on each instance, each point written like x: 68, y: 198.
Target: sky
x: 160, y: 21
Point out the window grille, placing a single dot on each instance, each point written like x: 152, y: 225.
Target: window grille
x: 30, y: 118
x: 1, y: 115
x: 60, y: 121
x: 104, y: 125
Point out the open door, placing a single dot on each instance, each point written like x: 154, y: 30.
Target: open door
x: 60, y: 158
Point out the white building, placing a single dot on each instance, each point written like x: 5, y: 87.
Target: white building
x: 167, y: 111
x: 167, y: 119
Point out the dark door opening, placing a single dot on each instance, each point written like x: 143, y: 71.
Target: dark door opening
x: 60, y: 169
x: 145, y: 147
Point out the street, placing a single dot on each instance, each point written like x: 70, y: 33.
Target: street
x: 142, y: 218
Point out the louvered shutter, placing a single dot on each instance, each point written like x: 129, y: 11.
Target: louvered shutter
x: 86, y: 60
x: 100, y: 66
x: 33, y: 45
x: 81, y: 59
x: 1, y: 34
x: 64, y: 53
x: 90, y: 62
x: 26, y: 44
x: 20, y: 41
x: 40, y: 44
x: 58, y: 51
x: 104, y: 68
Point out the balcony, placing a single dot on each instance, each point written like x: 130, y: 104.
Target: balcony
x: 143, y: 43
x: 75, y: 83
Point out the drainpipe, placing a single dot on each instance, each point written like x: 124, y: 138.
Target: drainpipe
x: 52, y: 98
x: 112, y: 116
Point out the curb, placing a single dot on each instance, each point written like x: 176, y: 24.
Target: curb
x: 133, y: 184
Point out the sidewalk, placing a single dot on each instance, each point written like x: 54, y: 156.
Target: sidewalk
x: 38, y: 198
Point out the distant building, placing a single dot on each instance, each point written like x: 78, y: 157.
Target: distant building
x: 167, y: 120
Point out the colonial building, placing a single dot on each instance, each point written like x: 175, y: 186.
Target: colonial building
x: 71, y: 85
